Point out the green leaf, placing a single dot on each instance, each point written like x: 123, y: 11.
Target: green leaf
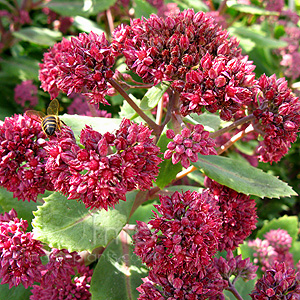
x: 242, y: 178
x: 167, y: 171
x: 127, y: 111
x: 24, y: 209
x: 197, y: 176
x: 39, y: 36
x: 288, y: 223
x: 195, y: 4
x: 210, y: 122
x: 16, y: 292
x: 246, y: 147
x: 152, y: 97
x: 295, y: 250
x: 87, y: 25
x: 118, y: 272
x: 253, y: 10
x: 258, y: 37
x: 101, y: 5
x: 143, y: 213
x: 143, y: 9
x: 63, y: 223
x: 102, y: 125
x: 21, y: 67
x: 70, y: 7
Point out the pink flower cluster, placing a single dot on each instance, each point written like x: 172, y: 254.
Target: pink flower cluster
x: 26, y: 91
x: 23, y: 158
x: 279, y: 282
x: 189, y: 49
x: 279, y: 117
x: 19, y: 253
x: 238, y: 214
x: 178, y: 246
x: 59, y: 279
x: 80, y: 65
x: 274, y: 248
x: 185, y: 146
x: 96, y: 175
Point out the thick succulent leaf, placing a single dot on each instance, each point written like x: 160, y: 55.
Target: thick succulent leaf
x: 295, y: 250
x: 153, y: 95
x: 118, y: 272
x: 39, y: 36
x: 257, y: 37
x: 253, y: 10
x: 16, y: 292
x: 102, y: 125
x: 242, y: 178
x: 210, y: 122
x: 21, y: 68
x: 87, y: 25
x: 288, y: 223
x: 143, y: 9
x: 68, y: 224
x: 79, y: 8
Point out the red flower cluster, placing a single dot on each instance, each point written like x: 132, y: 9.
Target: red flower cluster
x: 20, y: 254
x: 203, y: 285
x: 189, y: 49
x: 240, y: 268
x: 186, y: 146
x: 56, y: 278
x: 238, y: 214
x: 96, y: 175
x: 178, y: 245
x: 279, y: 282
x: 80, y: 65
x: 23, y: 158
x: 278, y: 116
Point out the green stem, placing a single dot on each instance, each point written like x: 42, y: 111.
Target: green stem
x: 232, y: 126
x: 156, y: 128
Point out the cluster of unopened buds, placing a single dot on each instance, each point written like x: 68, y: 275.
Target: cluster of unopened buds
x: 185, y: 146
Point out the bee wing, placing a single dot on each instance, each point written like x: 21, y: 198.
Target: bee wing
x: 53, y: 107
x: 35, y: 115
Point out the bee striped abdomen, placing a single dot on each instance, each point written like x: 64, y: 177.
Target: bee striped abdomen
x: 49, y: 124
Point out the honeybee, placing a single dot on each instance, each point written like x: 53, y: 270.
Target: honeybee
x: 49, y: 122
